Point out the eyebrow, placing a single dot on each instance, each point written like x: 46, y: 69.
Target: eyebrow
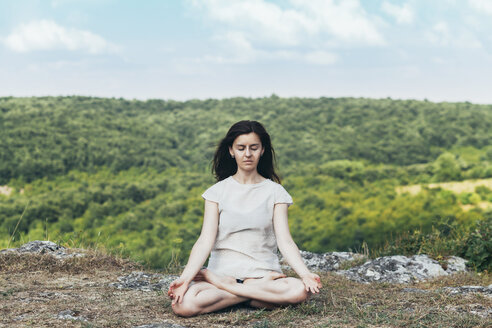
x: 256, y: 144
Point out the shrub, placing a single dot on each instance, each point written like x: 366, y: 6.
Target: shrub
x: 477, y: 247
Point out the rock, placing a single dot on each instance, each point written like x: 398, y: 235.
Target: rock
x: 43, y: 247
x: 144, y: 281
x: 71, y: 315
x: 476, y: 309
x: 398, y: 269
x: 487, y: 291
x: 456, y: 264
x: 160, y: 325
x: 330, y: 261
x: 414, y: 290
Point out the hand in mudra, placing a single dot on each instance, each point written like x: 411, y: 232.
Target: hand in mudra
x: 312, y: 282
x: 177, y: 289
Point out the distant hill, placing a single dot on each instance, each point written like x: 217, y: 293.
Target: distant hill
x: 129, y: 173
x: 49, y: 136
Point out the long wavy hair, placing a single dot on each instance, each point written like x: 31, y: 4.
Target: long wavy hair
x: 223, y: 165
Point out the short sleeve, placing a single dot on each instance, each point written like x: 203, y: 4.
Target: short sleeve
x: 282, y: 196
x: 212, y: 193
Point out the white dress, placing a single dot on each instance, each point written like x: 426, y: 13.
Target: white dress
x: 245, y: 246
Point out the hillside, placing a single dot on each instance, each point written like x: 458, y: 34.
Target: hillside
x: 45, y: 137
x: 129, y: 174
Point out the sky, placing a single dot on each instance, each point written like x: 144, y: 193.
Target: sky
x: 440, y: 50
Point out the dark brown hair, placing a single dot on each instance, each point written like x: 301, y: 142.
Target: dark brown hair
x: 223, y: 165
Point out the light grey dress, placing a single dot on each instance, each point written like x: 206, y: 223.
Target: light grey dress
x: 245, y: 246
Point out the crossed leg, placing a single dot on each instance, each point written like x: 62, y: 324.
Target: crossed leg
x: 212, y: 292
x: 203, y: 297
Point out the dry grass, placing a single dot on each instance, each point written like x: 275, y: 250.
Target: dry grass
x: 34, y: 289
x: 5, y: 190
x: 92, y: 262
x: 456, y: 187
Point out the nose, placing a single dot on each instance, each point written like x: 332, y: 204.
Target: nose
x: 248, y: 152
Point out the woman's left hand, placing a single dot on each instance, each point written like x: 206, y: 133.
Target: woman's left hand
x: 312, y: 282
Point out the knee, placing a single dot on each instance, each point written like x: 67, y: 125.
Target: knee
x: 297, y: 291
x: 184, y: 309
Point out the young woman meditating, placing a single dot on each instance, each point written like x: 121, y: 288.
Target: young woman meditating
x: 245, y: 219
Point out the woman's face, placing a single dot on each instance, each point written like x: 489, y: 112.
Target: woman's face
x: 247, y: 150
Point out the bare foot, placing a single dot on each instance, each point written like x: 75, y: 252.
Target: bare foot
x: 272, y: 275
x: 215, y: 279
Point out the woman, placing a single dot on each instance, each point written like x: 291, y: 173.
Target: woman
x: 245, y: 219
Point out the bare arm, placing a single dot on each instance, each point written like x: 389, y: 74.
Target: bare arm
x: 202, y: 247
x: 199, y: 253
x: 289, y: 249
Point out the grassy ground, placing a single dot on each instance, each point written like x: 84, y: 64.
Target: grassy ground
x: 35, y: 288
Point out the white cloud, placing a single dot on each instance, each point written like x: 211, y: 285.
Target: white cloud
x: 47, y: 35
x: 257, y: 29
x: 263, y: 21
x: 484, y: 6
x: 441, y: 35
x: 345, y: 20
x: 402, y: 15
x: 259, y: 20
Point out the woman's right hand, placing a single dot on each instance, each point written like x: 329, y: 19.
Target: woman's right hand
x: 177, y: 289
x: 312, y: 282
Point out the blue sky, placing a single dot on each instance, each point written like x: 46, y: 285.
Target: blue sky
x: 439, y: 50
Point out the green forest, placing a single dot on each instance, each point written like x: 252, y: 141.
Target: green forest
x: 129, y: 174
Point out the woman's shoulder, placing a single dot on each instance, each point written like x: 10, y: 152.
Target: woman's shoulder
x: 215, y: 191
x: 219, y: 184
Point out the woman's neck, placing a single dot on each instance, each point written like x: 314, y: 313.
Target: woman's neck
x: 248, y: 177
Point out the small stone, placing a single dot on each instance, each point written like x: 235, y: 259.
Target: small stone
x: 160, y: 325
x: 486, y: 291
x: 476, y: 309
x: 70, y: 315
x: 144, y: 281
x: 330, y: 261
